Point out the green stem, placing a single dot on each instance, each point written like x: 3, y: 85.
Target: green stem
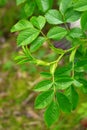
x: 72, y: 73
x: 54, y: 68
x: 53, y: 82
x: 43, y: 35
x: 66, y: 26
x: 59, y: 58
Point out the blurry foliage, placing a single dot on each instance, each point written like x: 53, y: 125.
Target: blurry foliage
x: 8, y: 16
x: 3, y: 3
x: 82, y: 111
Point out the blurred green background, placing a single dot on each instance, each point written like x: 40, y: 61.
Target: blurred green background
x: 16, y: 82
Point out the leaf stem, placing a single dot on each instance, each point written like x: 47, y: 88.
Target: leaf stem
x: 72, y: 72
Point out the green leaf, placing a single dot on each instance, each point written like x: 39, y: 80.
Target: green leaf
x: 43, y: 85
x: 51, y: 114
x: 64, y: 82
x: 44, y: 99
x: 84, y: 21
x: 37, y: 44
x: 44, y: 5
x: 25, y: 57
x: 74, y: 98
x: 63, y: 70
x: 75, y: 33
x: 54, y: 17
x: 22, y: 59
x: 81, y: 63
x: 76, y: 83
x: 72, y: 55
x: 38, y: 22
x: 81, y: 5
x: 57, y: 33
x: 84, y: 87
x: 26, y: 51
x: 64, y: 102
x: 64, y: 5
x: 27, y: 9
x: 46, y: 74
x: 21, y: 25
x: 27, y: 36
x: 20, y: 1
x: 71, y: 15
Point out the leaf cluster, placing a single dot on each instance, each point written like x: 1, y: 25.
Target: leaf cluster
x: 58, y: 91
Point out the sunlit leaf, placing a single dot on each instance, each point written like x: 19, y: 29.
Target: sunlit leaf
x: 27, y: 36
x: 38, y: 22
x: 21, y: 25
x: 54, y: 17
